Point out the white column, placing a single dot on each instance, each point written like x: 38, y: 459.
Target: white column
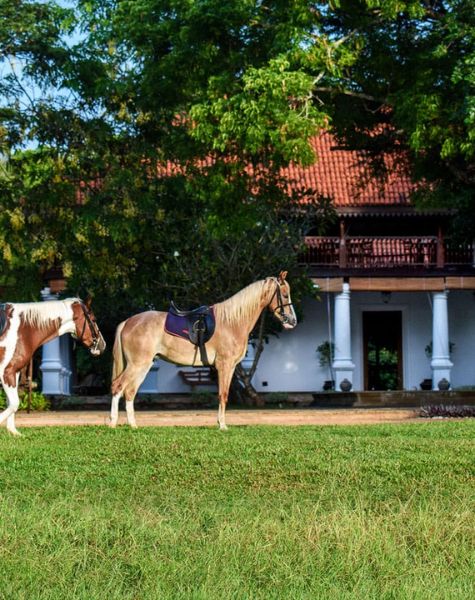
x: 56, y: 374
x: 440, y: 362
x: 66, y: 369
x: 343, y: 365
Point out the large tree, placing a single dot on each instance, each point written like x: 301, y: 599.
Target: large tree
x: 124, y: 100
x: 409, y: 89
x: 111, y: 166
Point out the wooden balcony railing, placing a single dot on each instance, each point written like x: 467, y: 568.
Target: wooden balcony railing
x: 371, y: 252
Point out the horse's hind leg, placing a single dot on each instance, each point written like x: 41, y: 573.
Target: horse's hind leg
x: 131, y: 380
x: 115, y: 409
x: 129, y: 394
x: 129, y: 407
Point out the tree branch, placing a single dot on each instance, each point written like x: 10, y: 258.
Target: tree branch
x: 361, y: 95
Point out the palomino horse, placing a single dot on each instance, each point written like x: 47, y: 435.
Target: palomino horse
x: 25, y: 327
x: 142, y: 337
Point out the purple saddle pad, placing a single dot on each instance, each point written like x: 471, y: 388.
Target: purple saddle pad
x: 196, y: 327
x: 178, y: 326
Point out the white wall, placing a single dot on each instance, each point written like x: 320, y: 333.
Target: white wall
x: 290, y: 362
x: 462, y: 333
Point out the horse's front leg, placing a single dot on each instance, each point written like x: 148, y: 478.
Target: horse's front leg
x: 13, y: 402
x: 225, y: 375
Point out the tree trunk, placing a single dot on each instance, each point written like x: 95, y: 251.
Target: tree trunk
x: 242, y: 390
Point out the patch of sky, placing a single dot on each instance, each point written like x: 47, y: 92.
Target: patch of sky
x: 21, y: 89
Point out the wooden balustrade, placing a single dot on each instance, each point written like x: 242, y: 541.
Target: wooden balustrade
x: 375, y: 252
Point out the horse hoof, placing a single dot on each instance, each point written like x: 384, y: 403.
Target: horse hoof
x: 14, y: 432
x: 112, y: 424
x: 223, y: 428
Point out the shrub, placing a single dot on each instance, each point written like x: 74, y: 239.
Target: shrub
x: 447, y: 410
x: 38, y: 401
x: 276, y: 397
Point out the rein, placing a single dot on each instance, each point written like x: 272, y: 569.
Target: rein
x: 92, y: 328
x: 280, y: 303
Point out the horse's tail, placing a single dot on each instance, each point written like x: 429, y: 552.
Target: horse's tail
x: 118, y: 364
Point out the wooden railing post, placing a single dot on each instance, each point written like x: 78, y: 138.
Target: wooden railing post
x: 343, y: 252
x: 440, y: 249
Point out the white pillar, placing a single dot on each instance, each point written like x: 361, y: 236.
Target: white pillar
x: 55, y: 370
x: 343, y: 365
x: 440, y: 362
x: 66, y: 369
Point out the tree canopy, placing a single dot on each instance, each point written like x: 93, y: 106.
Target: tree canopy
x: 169, y: 121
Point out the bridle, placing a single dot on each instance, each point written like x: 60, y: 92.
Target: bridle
x: 93, y: 328
x: 280, y: 304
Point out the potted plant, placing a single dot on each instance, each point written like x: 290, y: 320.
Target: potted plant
x: 426, y: 384
x: 325, y: 356
x: 428, y: 349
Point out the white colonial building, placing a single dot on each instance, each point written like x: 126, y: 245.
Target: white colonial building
x: 396, y: 299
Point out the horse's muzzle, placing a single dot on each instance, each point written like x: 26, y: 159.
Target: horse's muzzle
x: 97, y: 347
x: 289, y: 322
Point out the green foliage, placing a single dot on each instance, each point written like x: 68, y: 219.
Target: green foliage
x: 385, y: 361
x: 326, y: 352
x: 202, y: 81
x: 262, y: 117
x: 276, y: 398
x: 38, y: 401
x: 410, y: 86
x: 428, y: 349
x: 205, y: 398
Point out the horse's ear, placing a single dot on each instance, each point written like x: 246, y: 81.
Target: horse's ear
x: 282, y: 276
x: 88, y: 301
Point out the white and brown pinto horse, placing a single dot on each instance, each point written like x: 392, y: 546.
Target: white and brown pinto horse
x: 27, y: 326
x: 142, y: 337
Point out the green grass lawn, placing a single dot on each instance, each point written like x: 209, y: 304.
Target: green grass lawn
x: 385, y: 511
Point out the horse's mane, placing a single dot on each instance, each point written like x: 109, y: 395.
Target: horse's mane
x: 242, y: 306
x: 40, y: 314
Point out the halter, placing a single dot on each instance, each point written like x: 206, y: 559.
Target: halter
x: 92, y: 328
x: 280, y: 303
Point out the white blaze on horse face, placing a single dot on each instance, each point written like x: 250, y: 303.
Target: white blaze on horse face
x: 85, y: 328
x: 293, y: 317
x: 68, y: 324
x: 289, y: 319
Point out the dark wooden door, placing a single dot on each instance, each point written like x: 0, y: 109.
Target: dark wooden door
x: 382, y: 339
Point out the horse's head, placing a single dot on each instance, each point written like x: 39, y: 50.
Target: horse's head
x: 86, y: 329
x: 281, y: 304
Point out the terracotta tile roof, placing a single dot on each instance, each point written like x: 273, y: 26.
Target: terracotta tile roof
x: 341, y: 175
x: 338, y: 174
